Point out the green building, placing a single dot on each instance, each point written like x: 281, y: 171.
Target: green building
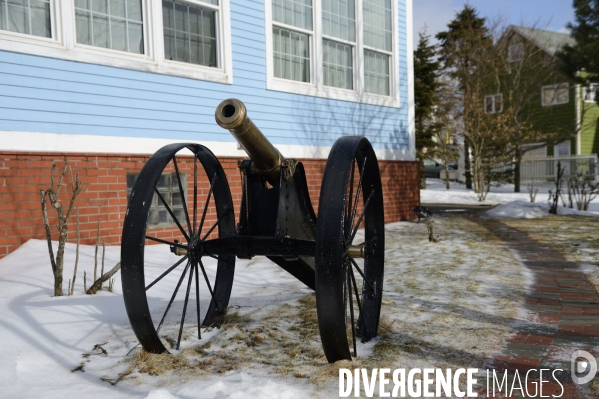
x: 556, y: 105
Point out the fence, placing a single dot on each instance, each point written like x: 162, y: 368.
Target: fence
x: 545, y: 168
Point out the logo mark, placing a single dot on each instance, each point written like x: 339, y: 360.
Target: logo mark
x: 580, y: 367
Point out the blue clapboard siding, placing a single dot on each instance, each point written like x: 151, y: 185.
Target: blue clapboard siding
x: 41, y: 94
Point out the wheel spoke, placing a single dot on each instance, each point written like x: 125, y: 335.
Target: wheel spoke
x: 195, y: 192
x: 208, y: 283
x: 212, y: 256
x: 198, y: 301
x: 351, y: 313
x: 345, y: 280
x: 160, y: 240
x: 353, y: 214
x: 355, y: 229
x: 185, y: 307
x: 361, y: 272
x: 206, y: 205
x: 172, y: 298
x: 170, y: 269
x: 170, y: 212
x: 214, y: 226
x: 183, y: 201
x: 351, y: 195
x: 351, y: 273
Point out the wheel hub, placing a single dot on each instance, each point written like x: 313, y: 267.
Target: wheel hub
x: 195, y: 248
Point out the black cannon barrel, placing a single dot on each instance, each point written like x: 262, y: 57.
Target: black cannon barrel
x: 231, y: 114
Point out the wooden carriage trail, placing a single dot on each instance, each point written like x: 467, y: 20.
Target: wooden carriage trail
x: 563, y: 313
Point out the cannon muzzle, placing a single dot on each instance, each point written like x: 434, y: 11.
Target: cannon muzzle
x: 231, y: 114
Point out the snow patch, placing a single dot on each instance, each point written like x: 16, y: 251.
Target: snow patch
x: 531, y: 210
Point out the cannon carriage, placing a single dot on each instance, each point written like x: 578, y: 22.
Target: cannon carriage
x: 276, y: 220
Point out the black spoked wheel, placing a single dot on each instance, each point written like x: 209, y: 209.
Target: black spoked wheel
x: 349, y: 264
x: 164, y: 286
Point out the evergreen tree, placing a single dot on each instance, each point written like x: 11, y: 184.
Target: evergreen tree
x: 584, y: 55
x: 461, y: 46
x: 426, y: 84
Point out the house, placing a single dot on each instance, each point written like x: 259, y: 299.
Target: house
x: 559, y: 104
x: 104, y: 84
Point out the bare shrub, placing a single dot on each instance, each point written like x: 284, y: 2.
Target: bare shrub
x: 63, y: 219
x: 554, y: 196
x: 532, y: 191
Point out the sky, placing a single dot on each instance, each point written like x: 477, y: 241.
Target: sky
x: 544, y: 14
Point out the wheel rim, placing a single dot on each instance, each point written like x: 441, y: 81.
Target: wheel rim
x: 204, y: 211
x: 349, y: 289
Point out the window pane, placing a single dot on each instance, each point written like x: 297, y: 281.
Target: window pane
x: 84, y: 4
x: 114, y: 24
x: 516, y: 52
x: 291, y: 55
x: 3, y: 15
x: 136, y: 38
x: 117, y: 8
x: 338, y: 19
x: 337, y: 65
x: 100, y: 6
x: 498, y: 102
x: 376, y: 73
x: 40, y: 18
x: 378, y: 29
x: 101, y: 37
x: 293, y: 12
x: 590, y: 92
x: 83, y: 23
x: 118, y: 30
x: 134, y: 10
x: 489, y: 104
x: 562, y: 93
x: 18, y: 16
x: 189, y: 33
x: 548, y: 95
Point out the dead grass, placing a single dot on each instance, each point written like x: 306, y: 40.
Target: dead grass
x: 158, y: 364
x: 431, y: 317
x: 330, y: 371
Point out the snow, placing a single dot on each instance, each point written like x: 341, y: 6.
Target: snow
x: 446, y: 304
x: 531, y: 210
x: 44, y: 337
x: 512, y: 205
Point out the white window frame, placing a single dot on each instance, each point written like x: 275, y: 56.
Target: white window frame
x: 516, y: 49
x: 315, y: 87
x: 554, y: 101
x: 12, y: 41
x: 63, y: 44
x: 593, y: 88
x: 494, y: 101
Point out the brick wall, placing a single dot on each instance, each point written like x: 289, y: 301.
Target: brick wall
x: 105, y: 193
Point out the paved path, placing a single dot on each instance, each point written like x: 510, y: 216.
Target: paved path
x: 563, y: 308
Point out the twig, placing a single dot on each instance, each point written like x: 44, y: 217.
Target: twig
x: 84, y: 281
x: 96, y: 254
x: 47, y: 227
x: 98, y: 284
x: 99, y: 346
x: 76, y: 251
x: 103, y: 253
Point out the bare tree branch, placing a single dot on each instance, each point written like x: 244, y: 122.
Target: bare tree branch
x: 98, y: 284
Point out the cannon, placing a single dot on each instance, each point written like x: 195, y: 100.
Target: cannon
x: 276, y: 220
